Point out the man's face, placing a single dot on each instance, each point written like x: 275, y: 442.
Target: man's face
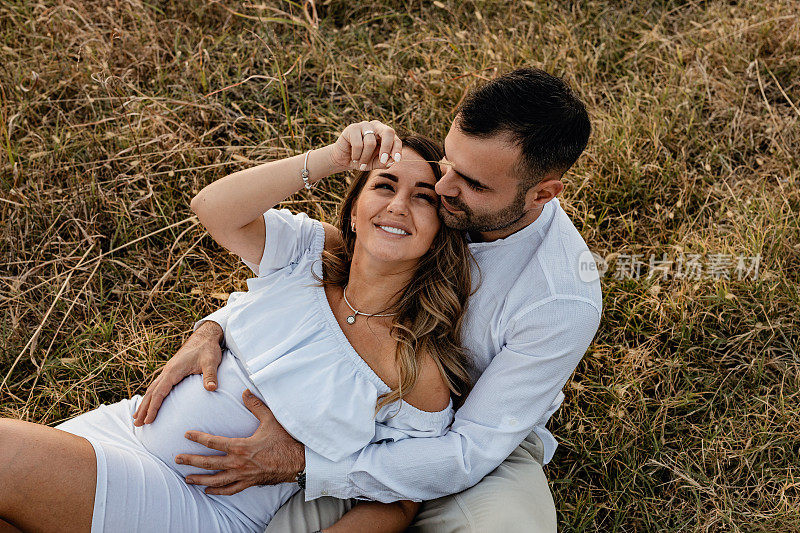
x: 479, y: 186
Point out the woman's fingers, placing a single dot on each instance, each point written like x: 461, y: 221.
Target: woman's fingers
x: 387, y: 141
x: 370, y: 145
x: 369, y: 138
x: 390, y: 144
x: 397, y: 149
x: 355, y: 138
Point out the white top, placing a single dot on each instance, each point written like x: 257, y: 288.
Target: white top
x: 286, y: 337
x: 527, y: 326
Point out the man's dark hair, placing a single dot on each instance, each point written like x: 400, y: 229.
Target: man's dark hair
x: 540, y: 112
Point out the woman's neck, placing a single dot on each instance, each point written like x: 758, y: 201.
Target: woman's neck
x: 373, y: 285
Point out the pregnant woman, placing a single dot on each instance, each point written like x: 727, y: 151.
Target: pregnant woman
x: 350, y: 335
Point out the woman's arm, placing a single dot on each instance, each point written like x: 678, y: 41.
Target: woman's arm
x: 232, y: 208
x: 376, y: 517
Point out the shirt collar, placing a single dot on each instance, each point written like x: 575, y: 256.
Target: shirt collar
x: 525, y: 234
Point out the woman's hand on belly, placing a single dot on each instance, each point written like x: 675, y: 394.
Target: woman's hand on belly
x: 200, y: 354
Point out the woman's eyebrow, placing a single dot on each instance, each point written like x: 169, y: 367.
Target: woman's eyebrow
x: 392, y: 177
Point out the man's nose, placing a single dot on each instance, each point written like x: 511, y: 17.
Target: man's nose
x: 446, y: 185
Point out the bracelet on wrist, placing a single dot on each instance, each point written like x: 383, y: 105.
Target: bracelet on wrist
x: 304, y: 174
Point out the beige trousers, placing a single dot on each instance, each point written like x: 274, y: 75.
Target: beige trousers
x: 515, y: 497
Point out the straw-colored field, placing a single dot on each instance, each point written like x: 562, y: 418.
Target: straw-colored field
x: 683, y: 415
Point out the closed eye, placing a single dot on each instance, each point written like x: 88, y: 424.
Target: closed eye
x: 474, y: 187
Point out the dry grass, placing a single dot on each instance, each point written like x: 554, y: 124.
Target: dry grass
x: 683, y: 414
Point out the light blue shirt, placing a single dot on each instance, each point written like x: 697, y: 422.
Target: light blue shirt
x: 527, y: 327
x: 285, y: 338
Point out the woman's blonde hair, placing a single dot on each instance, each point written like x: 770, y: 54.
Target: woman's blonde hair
x: 430, y: 310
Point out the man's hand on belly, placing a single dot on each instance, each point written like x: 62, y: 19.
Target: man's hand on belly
x: 268, y: 457
x: 200, y: 354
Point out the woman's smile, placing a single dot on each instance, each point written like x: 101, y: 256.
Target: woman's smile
x: 392, y: 231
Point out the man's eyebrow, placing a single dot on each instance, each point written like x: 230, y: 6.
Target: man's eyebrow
x: 466, y: 178
x: 392, y: 177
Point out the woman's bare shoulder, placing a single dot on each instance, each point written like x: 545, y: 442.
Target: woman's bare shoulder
x: 430, y: 393
x: 333, y: 237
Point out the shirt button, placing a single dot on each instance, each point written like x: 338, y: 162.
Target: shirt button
x: 324, y: 493
x: 512, y: 421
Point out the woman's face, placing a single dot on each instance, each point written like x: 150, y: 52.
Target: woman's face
x: 396, y: 213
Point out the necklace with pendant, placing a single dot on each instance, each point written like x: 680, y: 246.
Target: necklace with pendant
x: 352, y: 318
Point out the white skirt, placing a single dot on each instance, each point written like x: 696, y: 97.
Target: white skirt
x: 140, y: 488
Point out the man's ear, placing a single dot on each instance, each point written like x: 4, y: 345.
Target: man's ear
x: 543, y: 192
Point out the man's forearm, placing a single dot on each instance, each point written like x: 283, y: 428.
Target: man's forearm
x: 211, y: 329
x: 432, y: 467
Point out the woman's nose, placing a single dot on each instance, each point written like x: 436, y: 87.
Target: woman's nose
x: 398, y: 205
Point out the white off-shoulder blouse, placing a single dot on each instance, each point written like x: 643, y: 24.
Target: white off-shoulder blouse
x: 286, y: 339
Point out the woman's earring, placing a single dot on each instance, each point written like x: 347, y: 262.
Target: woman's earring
x: 353, y: 226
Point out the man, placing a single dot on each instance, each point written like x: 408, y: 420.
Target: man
x: 528, y: 325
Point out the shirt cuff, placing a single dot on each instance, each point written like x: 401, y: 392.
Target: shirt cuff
x: 220, y: 316
x: 328, y: 478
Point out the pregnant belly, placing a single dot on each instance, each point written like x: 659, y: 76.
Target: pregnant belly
x: 189, y: 406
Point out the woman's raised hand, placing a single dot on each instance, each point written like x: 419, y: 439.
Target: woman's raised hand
x: 366, y: 146
x: 200, y: 354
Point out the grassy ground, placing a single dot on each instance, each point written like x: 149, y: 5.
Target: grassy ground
x: 683, y: 415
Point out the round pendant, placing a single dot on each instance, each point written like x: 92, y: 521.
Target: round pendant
x: 351, y: 319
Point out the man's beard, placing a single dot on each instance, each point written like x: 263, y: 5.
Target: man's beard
x: 468, y: 220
